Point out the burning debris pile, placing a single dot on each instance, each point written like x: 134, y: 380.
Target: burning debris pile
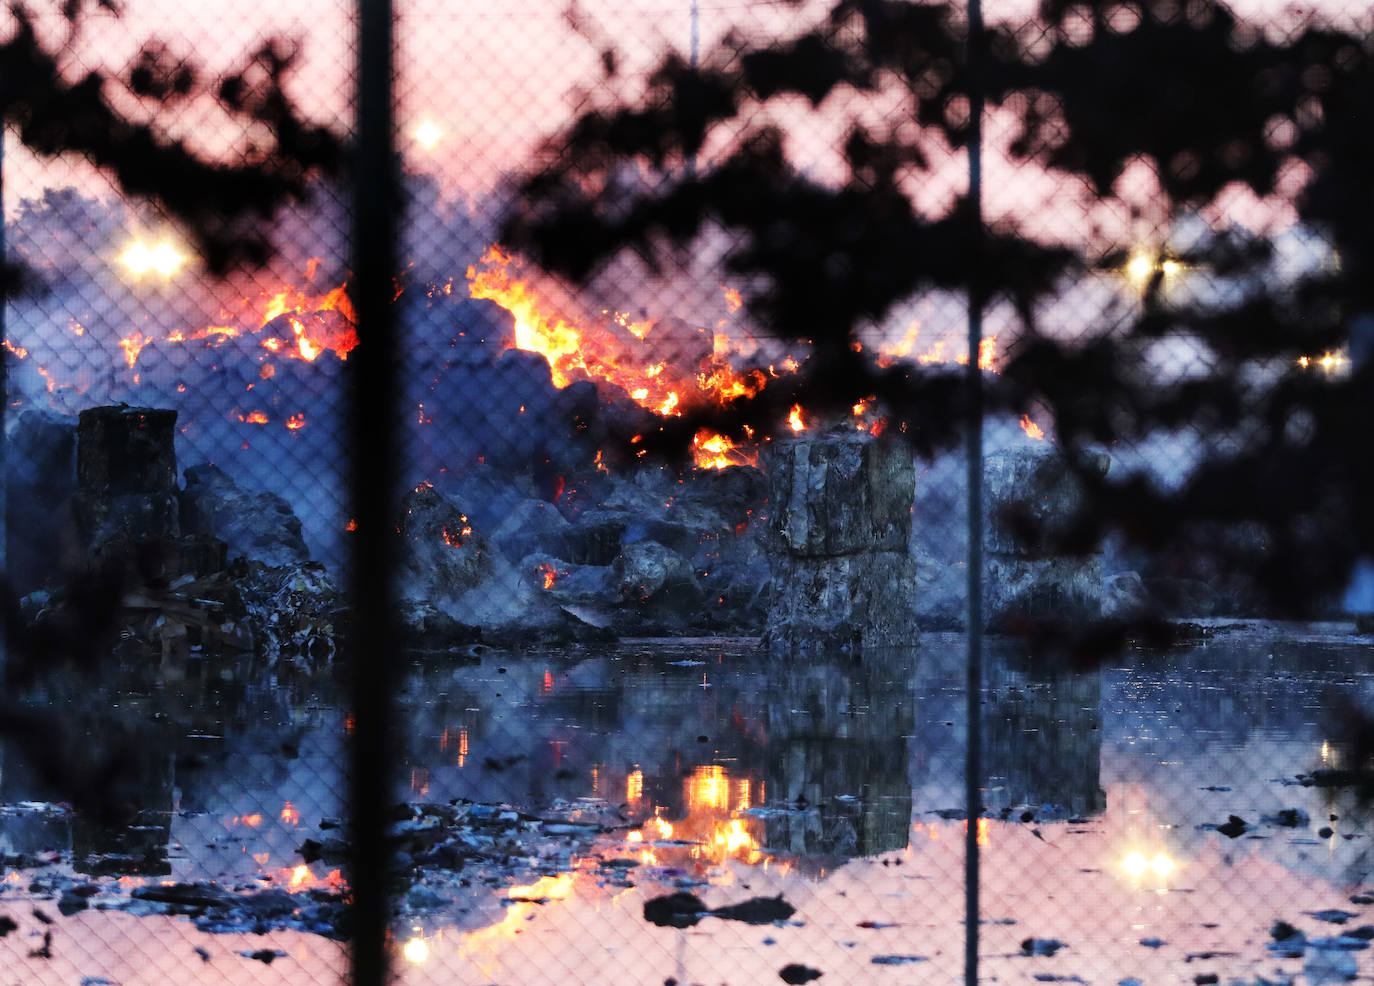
x: 528, y: 515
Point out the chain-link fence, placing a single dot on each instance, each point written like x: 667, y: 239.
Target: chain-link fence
x: 623, y: 635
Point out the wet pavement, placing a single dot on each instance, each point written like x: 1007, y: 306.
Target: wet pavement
x: 690, y: 812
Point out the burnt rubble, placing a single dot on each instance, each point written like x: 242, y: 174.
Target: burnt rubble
x: 841, y: 542
x: 652, y: 552
x: 210, y: 568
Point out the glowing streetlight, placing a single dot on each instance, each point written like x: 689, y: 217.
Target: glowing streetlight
x: 1144, y: 265
x: 162, y: 258
x: 428, y: 134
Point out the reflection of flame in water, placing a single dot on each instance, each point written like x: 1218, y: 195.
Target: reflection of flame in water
x: 290, y: 815
x: 708, y: 789
x: 712, y: 797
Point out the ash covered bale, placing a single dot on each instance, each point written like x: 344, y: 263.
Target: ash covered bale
x: 846, y: 604
x: 126, y: 473
x: 658, y: 587
x: 257, y: 526
x: 841, y: 576
x: 1031, y: 494
x: 840, y: 495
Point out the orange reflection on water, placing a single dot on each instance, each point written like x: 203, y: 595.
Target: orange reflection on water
x: 708, y: 789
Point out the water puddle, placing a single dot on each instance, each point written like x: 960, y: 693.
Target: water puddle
x: 647, y: 813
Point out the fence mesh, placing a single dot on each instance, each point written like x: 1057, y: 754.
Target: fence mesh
x: 682, y: 525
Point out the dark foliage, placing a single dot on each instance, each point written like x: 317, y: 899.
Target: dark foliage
x: 223, y: 206
x: 1207, y: 101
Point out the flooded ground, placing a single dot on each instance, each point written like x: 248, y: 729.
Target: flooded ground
x: 647, y: 813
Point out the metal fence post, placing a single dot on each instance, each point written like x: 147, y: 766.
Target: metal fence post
x: 375, y: 467
x: 974, y: 451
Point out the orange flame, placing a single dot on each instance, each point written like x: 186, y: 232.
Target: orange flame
x: 714, y: 451
x: 609, y: 351
x: 795, y: 421
x: 1031, y: 429
x: 132, y: 346
x: 295, y: 422
x: 549, y: 573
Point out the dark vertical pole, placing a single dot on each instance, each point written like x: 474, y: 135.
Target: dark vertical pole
x: 4, y: 411
x: 973, y: 765
x: 372, y: 658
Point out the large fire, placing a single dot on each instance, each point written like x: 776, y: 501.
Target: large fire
x: 617, y: 349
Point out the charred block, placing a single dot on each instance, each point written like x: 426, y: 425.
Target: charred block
x: 122, y: 450
x: 126, y: 473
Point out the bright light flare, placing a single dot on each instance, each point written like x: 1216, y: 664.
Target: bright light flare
x: 162, y: 258
x: 1144, y: 265
x: 1137, y: 864
x: 415, y: 950
x: 428, y: 135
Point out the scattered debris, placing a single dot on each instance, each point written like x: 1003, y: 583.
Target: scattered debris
x: 757, y: 910
x: 265, y: 955
x: 1233, y: 827
x: 1041, y: 946
x: 795, y: 974
x: 1332, y: 915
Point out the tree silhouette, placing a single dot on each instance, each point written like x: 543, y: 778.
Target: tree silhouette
x: 224, y: 206
x: 1208, y: 102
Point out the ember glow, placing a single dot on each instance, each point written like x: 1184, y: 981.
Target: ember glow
x: 714, y: 451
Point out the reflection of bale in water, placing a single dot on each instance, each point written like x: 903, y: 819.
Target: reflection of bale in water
x: 837, y: 752
x: 117, y: 775
x: 1042, y: 738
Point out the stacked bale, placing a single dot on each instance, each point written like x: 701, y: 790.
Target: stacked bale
x: 1032, y: 495
x: 842, y: 580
